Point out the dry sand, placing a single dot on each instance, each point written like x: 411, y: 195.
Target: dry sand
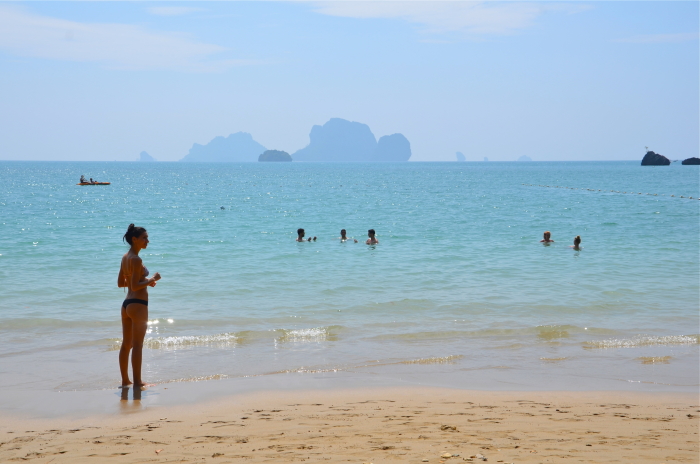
x: 411, y: 425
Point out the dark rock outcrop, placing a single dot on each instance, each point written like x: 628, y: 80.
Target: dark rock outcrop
x: 460, y: 156
x: 274, y: 155
x: 146, y: 157
x: 691, y: 161
x: 339, y: 140
x: 238, y: 147
x: 654, y: 159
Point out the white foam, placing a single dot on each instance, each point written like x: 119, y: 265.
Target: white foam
x: 643, y: 340
x: 186, y: 341
x: 316, y: 334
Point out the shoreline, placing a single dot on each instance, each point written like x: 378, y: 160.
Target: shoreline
x: 74, y: 404
x: 373, y: 424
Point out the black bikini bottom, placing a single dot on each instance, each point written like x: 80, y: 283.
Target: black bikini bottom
x: 134, y: 300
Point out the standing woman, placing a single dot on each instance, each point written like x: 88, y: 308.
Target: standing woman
x: 133, y: 275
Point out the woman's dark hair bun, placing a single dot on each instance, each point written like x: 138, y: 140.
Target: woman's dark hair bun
x: 131, y: 232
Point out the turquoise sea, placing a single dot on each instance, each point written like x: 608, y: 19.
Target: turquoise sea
x: 458, y: 293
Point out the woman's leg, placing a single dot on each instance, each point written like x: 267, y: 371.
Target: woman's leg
x: 127, y: 339
x: 138, y: 314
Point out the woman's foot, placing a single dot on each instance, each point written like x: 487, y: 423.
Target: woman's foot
x: 126, y: 383
x: 144, y: 384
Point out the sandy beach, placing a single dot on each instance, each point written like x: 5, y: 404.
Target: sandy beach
x: 408, y: 424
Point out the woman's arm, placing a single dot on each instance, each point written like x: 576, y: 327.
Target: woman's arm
x: 121, y: 280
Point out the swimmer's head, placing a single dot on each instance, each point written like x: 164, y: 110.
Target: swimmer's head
x: 547, y: 234
x: 577, y: 240
x: 300, y: 232
x: 371, y: 232
x: 134, y: 232
x: 342, y: 232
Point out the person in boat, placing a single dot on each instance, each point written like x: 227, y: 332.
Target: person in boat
x: 372, y: 240
x: 82, y: 179
x: 133, y: 275
x: 547, y: 238
x: 92, y: 181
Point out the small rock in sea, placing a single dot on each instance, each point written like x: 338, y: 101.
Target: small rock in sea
x: 223, y: 207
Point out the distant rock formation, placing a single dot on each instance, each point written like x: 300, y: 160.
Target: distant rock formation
x: 654, y: 159
x: 146, y: 157
x: 392, y: 148
x: 339, y: 140
x: 524, y: 158
x: 274, y: 155
x: 691, y: 161
x: 238, y: 147
x: 485, y: 158
x: 460, y: 156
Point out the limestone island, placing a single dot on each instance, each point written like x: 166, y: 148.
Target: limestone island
x: 340, y: 140
x: 691, y: 161
x: 654, y: 159
x: 236, y: 148
x: 274, y: 155
x: 145, y: 157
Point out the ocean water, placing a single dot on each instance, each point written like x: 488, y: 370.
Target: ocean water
x: 459, y: 292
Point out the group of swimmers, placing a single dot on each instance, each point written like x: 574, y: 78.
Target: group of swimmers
x: 372, y: 240
x: 134, y: 276
x: 547, y: 238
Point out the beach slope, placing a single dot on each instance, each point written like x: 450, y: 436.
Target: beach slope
x: 411, y: 425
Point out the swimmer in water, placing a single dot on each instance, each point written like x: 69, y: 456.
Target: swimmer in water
x: 372, y: 240
x: 300, y: 233
x: 133, y: 275
x: 546, y: 238
x: 577, y: 243
x: 314, y: 239
x: 344, y: 237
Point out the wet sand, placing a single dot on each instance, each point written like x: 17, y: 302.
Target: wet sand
x: 377, y: 425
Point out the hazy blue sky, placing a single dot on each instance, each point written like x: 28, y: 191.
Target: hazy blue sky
x: 551, y: 80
